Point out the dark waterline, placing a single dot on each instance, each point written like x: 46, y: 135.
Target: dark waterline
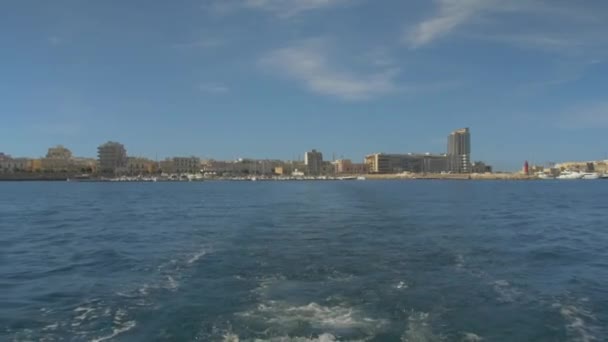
x: 304, y: 261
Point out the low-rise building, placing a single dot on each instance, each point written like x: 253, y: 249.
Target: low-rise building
x: 187, y: 164
x: 398, y: 163
x: 14, y: 165
x: 140, y: 166
x: 481, y: 167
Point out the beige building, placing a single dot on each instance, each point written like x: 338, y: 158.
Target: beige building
x: 11, y: 165
x: 187, y: 164
x: 59, y: 152
x: 112, y: 157
x: 140, y: 166
x: 600, y: 166
x: 58, y: 159
x: 398, y: 163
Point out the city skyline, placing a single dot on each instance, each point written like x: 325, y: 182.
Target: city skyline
x: 271, y: 79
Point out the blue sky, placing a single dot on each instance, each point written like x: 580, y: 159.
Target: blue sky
x: 274, y: 78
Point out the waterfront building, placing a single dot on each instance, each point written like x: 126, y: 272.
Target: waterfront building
x: 58, y: 159
x: 278, y: 170
x: 346, y: 166
x: 314, y: 162
x: 14, y: 165
x: 459, y: 151
x: 186, y: 165
x: 84, y: 165
x: 140, y: 166
x: 481, y: 167
x: 398, y: 163
x: 167, y: 166
x: 343, y: 166
x: 59, y: 152
x: 112, y: 158
x: 36, y: 165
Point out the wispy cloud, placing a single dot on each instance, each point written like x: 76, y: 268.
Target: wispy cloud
x: 450, y: 15
x: 282, y: 8
x: 586, y: 27
x: 308, y: 62
x: 213, y: 88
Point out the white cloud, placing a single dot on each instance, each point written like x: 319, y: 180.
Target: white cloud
x: 308, y: 62
x: 213, y: 88
x: 282, y: 8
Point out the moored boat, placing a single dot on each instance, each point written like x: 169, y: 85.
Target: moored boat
x: 570, y: 175
x: 590, y: 175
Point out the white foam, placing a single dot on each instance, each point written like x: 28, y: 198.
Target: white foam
x: 401, y: 286
x: 471, y: 337
x: 460, y: 263
x: 579, y: 322
x: 172, y: 283
x: 419, y: 329
x: 323, y: 317
x: 325, y: 337
x: 230, y: 337
x: 51, y: 327
x: 197, y: 256
x: 506, y: 292
x: 84, y: 313
x: 124, y: 327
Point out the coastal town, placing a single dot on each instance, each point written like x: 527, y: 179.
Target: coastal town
x: 114, y: 164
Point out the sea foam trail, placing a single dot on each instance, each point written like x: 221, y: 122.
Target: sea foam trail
x: 286, y: 316
x: 580, y: 322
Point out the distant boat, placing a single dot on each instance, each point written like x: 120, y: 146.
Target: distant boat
x: 544, y: 176
x: 360, y: 178
x: 604, y: 176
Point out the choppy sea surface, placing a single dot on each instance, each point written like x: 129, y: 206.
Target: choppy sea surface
x: 304, y: 261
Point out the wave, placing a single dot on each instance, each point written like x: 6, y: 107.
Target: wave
x: 334, y: 318
x: 580, y: 322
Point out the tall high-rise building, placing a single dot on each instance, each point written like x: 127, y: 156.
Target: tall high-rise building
x: 112, y: 157
x: 314, y: 162
x: 459, y: 151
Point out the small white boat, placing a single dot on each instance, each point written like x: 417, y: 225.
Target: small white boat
x: 570, y: 175
x: 544, y: 176
x: 590, y: 175
x: 360, y: 178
